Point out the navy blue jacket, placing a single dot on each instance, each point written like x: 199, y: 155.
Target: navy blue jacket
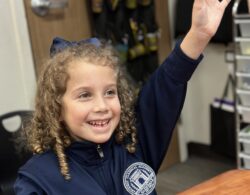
x: 159, y: 106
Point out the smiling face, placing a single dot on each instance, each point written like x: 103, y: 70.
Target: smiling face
x: 90, y: 106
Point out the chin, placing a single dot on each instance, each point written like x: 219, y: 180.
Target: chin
x: 102, y: 139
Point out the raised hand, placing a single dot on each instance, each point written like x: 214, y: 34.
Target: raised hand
x: 206, y: 17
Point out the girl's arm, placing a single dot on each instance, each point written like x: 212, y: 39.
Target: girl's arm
x: 162, y: 98
x: 206, y: 17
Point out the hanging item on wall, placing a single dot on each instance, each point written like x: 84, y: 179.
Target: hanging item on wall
x: 144, y: 2
x: 96, y: 6
x: 113, y: 4
x: 131, y: 4
x: 130, y: 25
x: 139, y: 48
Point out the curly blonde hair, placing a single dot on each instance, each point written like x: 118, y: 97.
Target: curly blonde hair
x: 45, y: 130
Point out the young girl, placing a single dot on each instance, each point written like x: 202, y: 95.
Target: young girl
x: 85, y: 133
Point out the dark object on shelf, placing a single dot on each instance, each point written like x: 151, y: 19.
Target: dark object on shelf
x: 223, y: 138
x: 222, y: 123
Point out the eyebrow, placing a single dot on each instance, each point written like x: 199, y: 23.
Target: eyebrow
x: 82, y: 88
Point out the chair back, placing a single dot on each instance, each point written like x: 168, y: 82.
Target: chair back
x: 11, y: 158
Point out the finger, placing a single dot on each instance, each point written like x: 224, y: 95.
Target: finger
x: 213, y: 2
x: 225, y: 3
x: 199, y: 3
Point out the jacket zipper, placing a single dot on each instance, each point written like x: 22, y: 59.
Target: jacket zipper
x: 102, y: 173
x: 100, y: 151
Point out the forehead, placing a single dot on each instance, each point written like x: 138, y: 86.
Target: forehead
x: 77, y: 63
x: 82, y: 71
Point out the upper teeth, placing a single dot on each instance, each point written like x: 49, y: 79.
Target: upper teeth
x: 98, y: 122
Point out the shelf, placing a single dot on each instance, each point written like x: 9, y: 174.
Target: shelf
x: 243, y: 108
x: 246, y: 160
x: 244, y: 134
x: 241, y: 33
x: 242, y: 74
x: 242, y: 57
x: 242, y: 19
x: 236, y: 14
x: 242, y: 39
x: 244, y: 155
x: 244, y: 137
x: 243, y: 91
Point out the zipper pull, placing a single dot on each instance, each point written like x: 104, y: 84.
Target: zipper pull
x: 99, y: 150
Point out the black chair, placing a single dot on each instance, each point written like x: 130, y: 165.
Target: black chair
x: 11, y: 156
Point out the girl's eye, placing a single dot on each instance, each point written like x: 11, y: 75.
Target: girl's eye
x: 111, y: 92
x: 85, y: 95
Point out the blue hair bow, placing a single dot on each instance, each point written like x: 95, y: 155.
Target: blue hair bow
x: 60, y: 44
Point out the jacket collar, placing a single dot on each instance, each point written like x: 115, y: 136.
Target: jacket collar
x: 89, y: 153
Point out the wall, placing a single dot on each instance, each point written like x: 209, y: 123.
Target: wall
x: 207, y: 83
x: 17, y: 78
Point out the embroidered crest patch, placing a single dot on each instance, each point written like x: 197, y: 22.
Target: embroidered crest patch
x: 139, y: 179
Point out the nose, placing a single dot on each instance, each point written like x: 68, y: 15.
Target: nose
x: 100, y: 104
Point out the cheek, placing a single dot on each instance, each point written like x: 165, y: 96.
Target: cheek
x: 75, y: 112
x: 81, y: 111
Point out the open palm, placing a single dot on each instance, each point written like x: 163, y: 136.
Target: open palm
x: 207, y: 15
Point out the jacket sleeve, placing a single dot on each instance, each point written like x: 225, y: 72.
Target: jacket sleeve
x: 25, y: 186
x: 160, y: 103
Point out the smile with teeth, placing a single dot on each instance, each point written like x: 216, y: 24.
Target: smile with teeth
x: 99, y: 123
